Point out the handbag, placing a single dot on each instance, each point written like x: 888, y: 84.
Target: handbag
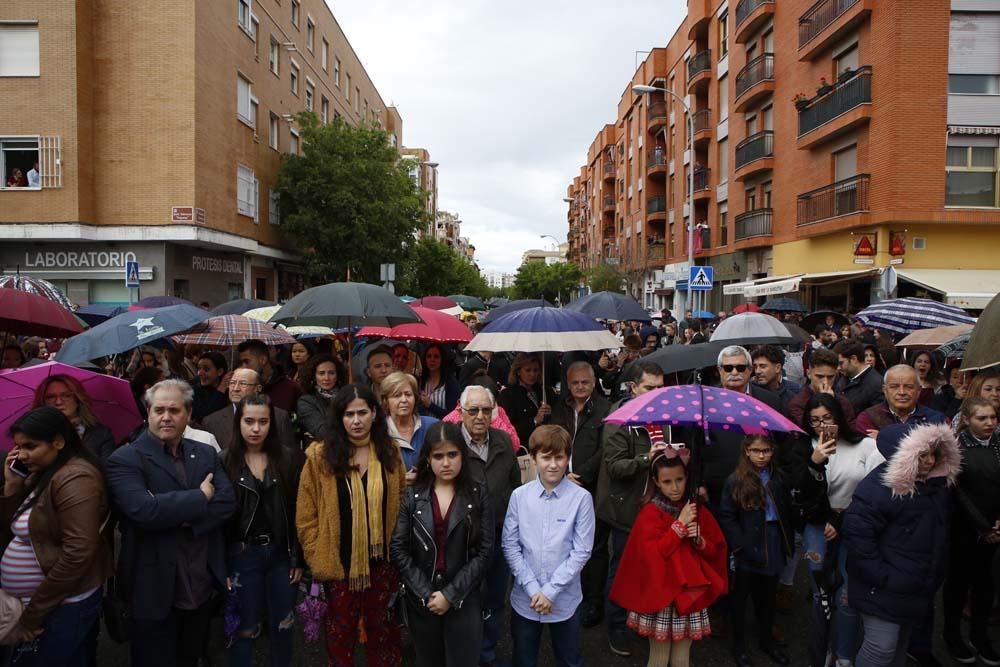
x: 529, y: 471
x: 11, y: 609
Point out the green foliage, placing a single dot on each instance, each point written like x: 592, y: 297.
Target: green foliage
x: 605, y: 278
x: 549, y: 281
x: 347, y: 202
x: 431, y: 267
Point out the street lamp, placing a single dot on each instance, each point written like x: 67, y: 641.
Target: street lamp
x: 690, y: 136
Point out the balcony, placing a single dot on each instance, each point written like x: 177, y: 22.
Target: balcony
x: 656, y: 251
x: 753, y: 224
x: 751, y: 15
x: 754, y: 81
x: 754, y: 154
x: 845, y: 197
x: 609, y: 170
x: 702, y: 189
x: 699, y: 13
x: 609, y: 204
x: 656, y: 161
x: 840, y: 110
x: 608, y: 231
x: 656, y: 116
x: 699, y: 70
x: 656, y: 208
x: 827, y: 21
x: 702, y: 126
x: 703, y: 240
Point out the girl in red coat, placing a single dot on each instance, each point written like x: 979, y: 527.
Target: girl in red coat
x: 674, y: 564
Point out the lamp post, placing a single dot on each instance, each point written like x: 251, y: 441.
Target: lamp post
x: 690, y: 197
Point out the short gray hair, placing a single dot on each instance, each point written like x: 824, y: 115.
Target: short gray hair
x: 475, y: 387
x: 733, y: 351
x: 579, y: 365
x: 187, y: 393
x: 897, y: 368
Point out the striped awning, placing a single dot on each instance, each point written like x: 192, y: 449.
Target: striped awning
x: 968, y: 129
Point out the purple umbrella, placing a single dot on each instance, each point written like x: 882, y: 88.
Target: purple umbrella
x: 707, y: 407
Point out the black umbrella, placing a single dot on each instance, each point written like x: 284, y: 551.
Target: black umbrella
x: 128, y: 330
x: 511, y: 306
x: 610, y: 306
x: 814, y: 319
x: 497, y: 301
x: 680, y: 358
x: 345, y: 305
x: 239, y: 306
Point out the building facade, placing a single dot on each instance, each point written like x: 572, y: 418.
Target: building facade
x: 424, y: 173
x: 843, y: 151
x: 158, y: 131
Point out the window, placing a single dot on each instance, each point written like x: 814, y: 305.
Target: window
x: 766, y: 187
x: 974, y: 84
x: 295, y: 13
x: 723, y: 223
x: 365, y: 117
x: 845, y: 163
x: 751, y: 198
x: 324, y: 109
x: 256, y: 201
x: 274, y: 59
x: 273, y: 131
x: 751, y: 121
x: 723, y: 161
x: 31, y: 162
x: 723, y: 98
x: 324, y: 55
x: 846, y: 60
x: 19, y: 49
x: 295, y: 78
x: 245, y: 200
x: 336, y: 72
x: 357, y: 98
x: 310, y: 94
x: 971, y: 171
x: 293, y: 143
x: 246, y: 104
x: 244, y: 15
x: 767, y: 114
x: 347, y: 90
x: 724, y: 35
x: 768, y: 39
x: 310, y: 33
x: 274, y: 207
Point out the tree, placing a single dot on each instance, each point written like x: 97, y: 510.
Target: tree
x: 604, y: 278
x: 549, y: 281
x: 348, y: 202
x: 431, y: 267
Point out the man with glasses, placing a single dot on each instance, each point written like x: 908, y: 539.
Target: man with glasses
x: 492, y: 462
x: 245, y: 382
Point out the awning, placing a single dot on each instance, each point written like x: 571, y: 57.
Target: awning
x: 774, y: 287
x: 741, y: 288
x: 965, y: 288
x: 966, y: 129
x: 831, y: 277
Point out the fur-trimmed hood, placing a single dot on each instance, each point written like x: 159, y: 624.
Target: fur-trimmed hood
x: 901, y: 471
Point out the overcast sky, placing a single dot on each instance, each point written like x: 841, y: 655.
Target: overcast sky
x: 506, y: 96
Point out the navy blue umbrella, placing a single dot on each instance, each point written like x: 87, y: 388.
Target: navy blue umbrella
x: 784, y: 305
x: 128, y: 330
x: 239, y: 306
x: 511, y: 306
x: 95, y: 314
x: 610, y: 306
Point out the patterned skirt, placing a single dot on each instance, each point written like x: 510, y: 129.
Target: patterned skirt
x: 667, y: 625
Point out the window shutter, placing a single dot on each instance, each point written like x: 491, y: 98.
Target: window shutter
x: 243, y: 97
x: 50, y: 161
x: 244, y: 190
x: 974, y: 45
x: 19, y: 49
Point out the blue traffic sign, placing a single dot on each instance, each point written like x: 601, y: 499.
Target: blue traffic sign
x: 700, y: 278
x: 132, y: 275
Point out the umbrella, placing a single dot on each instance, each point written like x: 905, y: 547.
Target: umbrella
x: 912, y: 313
x: 707, y: 407
x: 128, y: 330
x: 752, y: 329
x: 936, y: 337
x: 543, y: 329
x: 36, y: 286
x: 343, y: 305
x: 610, y: 306
x: 681, y: 358
x: 110, y: 398
x: 436, y: 326
x: 406, y: 298
x: 468, y: 302
x: 161, y: 301
x: 497, y: 301
x: 818, y: 317
x: 231, y: 330
x: 512, y: 306
x: 239, y: 306
x: 264, y: 314
x: 798, y: 333
x: 784, y: 304
x: 27, y: 314
x: 746, y: 308
x: 703, y: 315
x: 983, y: 349
x: 443, y: 303
x: 95, y: 314
x: 955, y: 348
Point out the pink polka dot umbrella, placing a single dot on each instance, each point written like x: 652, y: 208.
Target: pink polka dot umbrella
x: 699, y: 405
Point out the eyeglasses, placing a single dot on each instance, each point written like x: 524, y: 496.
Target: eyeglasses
x: 820, y: 421
x: 478, y: 411
x: 739, y: 368
x: 241, y: 384
x: 760, y: 452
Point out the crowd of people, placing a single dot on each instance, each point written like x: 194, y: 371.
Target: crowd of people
x: 470, y: 497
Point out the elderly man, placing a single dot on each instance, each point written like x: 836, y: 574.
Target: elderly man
x: 282, y: 390
x: 493, y: 463
x: 859, y: 383
x: 901, y: 387
x: 245, y: 382
x: 173, y: 497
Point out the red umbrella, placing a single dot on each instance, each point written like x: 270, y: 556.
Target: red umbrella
x: 27, y: 314
x: 436, y: 327
x: 435, y: 302
x: 746, y: 308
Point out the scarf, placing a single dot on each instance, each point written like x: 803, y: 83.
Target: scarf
x: 328, y: 395
x: 665, y: 504
x: 367, y: 536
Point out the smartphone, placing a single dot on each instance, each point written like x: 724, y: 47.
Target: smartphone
x: 19, y: 468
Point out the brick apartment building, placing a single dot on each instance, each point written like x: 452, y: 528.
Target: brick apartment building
x: 424, y: 174
x: 881, y: 179
x: 159, y: 130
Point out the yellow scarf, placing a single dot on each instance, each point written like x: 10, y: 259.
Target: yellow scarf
x: 367, y: 536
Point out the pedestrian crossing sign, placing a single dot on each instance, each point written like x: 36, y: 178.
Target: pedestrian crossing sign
x: 131, y: 275
x: 700, y: 278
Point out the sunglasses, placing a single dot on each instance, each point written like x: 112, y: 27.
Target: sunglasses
x: 478, y: 411
x: 739, y: 368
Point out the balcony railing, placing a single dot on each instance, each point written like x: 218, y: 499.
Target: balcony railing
x: 656, y: 110
x: 759, y: 69
x: 609, y: 202
x: 657, y: 158
x: 656, y: 205
x: 656, y: 251
x: 609, y: 231
x: 755, y: 147
x: 699, y: 62
x: 609, y: 169
x: 818, y: 17
x: 753, y: 223
x: 701, y: 179
x: 846, y: 94
x: 702, y: 120
x: 841, y: 198
x: 746, y: 7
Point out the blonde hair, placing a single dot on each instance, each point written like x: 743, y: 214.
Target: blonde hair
x: 394, y: 383
x: 520, y: 361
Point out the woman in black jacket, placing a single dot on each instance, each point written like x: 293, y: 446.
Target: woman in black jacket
x: 323, y: 377
x: 441, y: 549
x: 264, y: 557
x: 523, y: 399
x: 67, y: 394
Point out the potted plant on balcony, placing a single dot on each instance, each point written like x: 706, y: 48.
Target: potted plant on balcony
x: 801, y: 101
x: 845, y: 75
x: 824, y: 86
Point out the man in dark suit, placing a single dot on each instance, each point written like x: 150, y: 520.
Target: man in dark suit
x: 174, y: 497
x: 245, y: 382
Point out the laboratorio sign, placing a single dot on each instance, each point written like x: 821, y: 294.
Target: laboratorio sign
x: 72, y: 259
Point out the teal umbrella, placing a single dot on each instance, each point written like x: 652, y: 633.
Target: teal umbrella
x: 468, y: 302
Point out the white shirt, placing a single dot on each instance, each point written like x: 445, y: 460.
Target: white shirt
x: 34, y: 179
x: 847, y: 467
x: 205, y: 437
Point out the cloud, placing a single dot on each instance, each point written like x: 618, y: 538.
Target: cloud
x: 507, y: 97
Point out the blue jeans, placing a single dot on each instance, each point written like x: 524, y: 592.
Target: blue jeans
x: 260, y: 577
x: 616, y: 615
x: 884, y: 645
x: 566, y: 638
x: 496, y: 581
x: 846, y: 622
x: 64, y: 640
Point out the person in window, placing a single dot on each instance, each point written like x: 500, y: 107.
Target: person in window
x: 17, y: 179
x: 34, y: 176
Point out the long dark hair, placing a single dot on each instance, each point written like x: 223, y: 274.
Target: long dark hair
x: 438, y: 434
x: 934, y: 375
x: 337, y: 446
x: 844, y: 430
x: 46, y: 424
x: 277, y: 456
x: 747, y: 489
x: 309, y: 376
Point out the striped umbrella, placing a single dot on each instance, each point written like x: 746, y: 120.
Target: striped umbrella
x: 911, y: 313
x: 543, y: 330
x: 784, y: 304
x: 36, y: 286
x: 231, y: 330
x: 955, y: 348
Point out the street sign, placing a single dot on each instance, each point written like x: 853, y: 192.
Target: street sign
x: 131, y: 275
x: 700, y: 278
x: 387, y: 272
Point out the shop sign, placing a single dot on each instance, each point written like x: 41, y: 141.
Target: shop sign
x: 864, y: 260
x: 216, y: 264
x: 187, y: 214
x: 72, y: 259
x: 865, y: 246
x: 895, y: 261
x: 897, y: 244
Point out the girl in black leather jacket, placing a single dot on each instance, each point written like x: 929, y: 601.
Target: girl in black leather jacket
x: 441, y: 549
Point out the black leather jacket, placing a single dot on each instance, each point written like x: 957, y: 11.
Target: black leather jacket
x: 282, y: 510
x: 414, y: 551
